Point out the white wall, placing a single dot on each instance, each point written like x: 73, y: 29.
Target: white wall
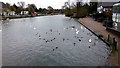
x: 0, y: 44
x: 116, y: 18
x: 0, y: 36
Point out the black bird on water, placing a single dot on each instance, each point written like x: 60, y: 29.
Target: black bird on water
x: 51, y: 30
x: 54, y: 38
x: 74, y: 44
x: 56, y: 47
x: 73, y: 26
x: 51, y: 40
x: 79, y: 40
x: 63, y: 39
x: 47, y: 41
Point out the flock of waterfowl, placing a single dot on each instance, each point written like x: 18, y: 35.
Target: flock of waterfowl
x: 64, y: 39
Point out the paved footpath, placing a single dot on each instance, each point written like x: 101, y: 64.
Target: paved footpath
x: 99, y: 29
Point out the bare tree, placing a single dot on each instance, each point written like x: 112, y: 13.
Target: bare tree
x: 21, y: 4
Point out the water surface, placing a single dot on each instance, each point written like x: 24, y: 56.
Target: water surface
x: 50, y: 41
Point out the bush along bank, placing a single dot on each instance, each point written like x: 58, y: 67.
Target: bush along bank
x: 77, y: 11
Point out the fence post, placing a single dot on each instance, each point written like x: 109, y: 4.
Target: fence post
x: 108, y: 38
x: 114, y: 44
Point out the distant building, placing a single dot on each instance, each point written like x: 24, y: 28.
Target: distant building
x: 116, y: 17
x: 9, y: 13
x: 57, y: 11
x: 25, y: 12
x: 105, y: 6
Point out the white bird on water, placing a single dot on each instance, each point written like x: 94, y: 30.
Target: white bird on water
x: 90, y: 40
x: 34, y: 28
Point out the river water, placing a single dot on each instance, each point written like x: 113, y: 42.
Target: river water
x: 50, y: 41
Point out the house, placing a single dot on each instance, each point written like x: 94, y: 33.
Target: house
x: 105, y: 6
x: 25, y: 12
x: 9, y: 13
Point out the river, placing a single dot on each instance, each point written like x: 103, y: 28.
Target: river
x: 50, y: 41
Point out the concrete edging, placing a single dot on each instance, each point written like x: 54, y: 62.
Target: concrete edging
x: 94, y: 33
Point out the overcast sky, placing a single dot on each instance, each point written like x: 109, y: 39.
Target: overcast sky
x: 45, y: 3
x: 40, y: 3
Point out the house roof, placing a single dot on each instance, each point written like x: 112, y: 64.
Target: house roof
x: 116, y: 4
x: 106, y: 4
